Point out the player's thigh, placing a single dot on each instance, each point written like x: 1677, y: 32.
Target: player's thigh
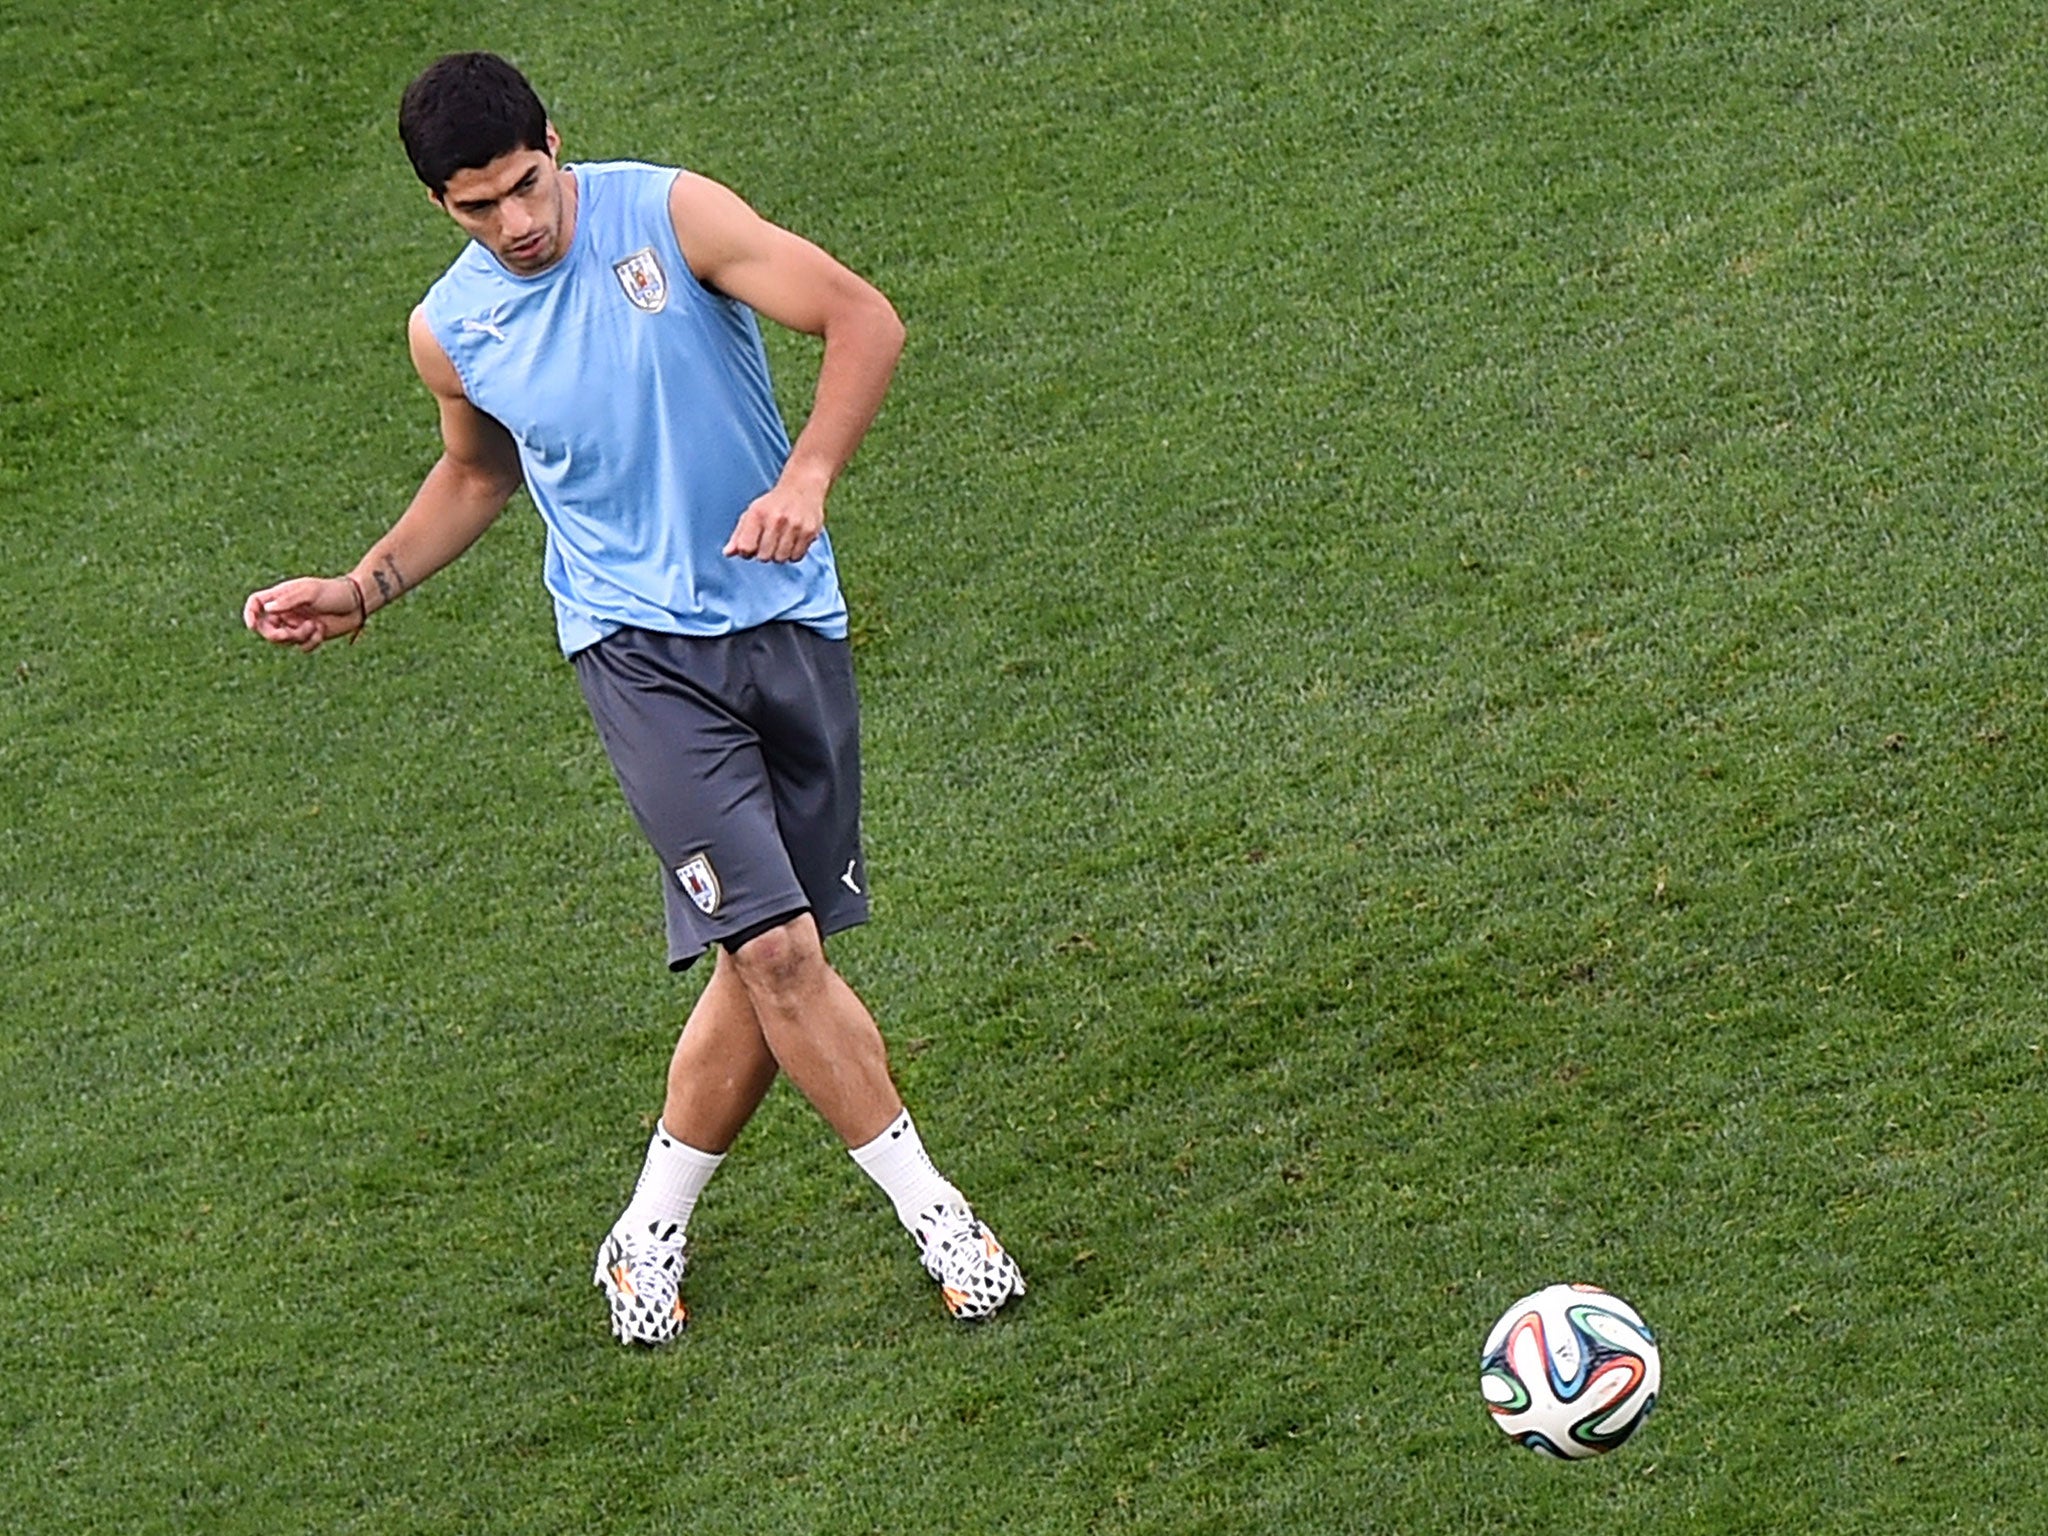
x: 809, y: 717
x: 696, y: 777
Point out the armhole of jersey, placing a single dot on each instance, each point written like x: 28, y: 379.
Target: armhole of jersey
x: 701, y: 292
x: 440, y: 332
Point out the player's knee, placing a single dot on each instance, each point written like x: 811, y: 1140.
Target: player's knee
x: 781, y: 961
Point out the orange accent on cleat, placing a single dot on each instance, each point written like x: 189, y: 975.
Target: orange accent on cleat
x: 975, y: 1275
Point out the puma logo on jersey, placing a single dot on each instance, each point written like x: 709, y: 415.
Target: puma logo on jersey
x: 847, y: 878
x: 488, y: 325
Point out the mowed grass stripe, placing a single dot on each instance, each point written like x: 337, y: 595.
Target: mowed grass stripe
x: 1447, y: 635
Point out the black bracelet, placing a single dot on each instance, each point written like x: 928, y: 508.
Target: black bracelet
x: 362, y: 610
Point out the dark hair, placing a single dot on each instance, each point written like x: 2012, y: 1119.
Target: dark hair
x: 463, y: 112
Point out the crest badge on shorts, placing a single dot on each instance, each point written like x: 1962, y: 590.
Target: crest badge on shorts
x: 700, y: 883
x: 645, y: 283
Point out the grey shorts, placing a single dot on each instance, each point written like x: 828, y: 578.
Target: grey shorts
x: 740, y: 757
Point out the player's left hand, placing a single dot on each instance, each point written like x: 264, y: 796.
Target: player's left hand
x: 780, y: 526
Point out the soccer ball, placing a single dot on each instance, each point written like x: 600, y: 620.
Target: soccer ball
x: 1570, y: 1371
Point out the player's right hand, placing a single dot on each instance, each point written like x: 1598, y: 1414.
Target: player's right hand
x: 306, y: 611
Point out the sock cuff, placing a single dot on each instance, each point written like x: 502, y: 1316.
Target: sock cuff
x: 683, y: 1152
x: 893, y: 1135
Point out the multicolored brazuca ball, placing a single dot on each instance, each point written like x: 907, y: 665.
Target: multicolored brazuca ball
x: 1570, y: 1371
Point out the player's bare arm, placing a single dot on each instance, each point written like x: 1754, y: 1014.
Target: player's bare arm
x: 461, y: 496
x: 783, y: 276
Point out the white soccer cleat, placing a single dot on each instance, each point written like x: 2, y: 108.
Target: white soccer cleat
x: 974, y: 1273
x: 641, y: 1275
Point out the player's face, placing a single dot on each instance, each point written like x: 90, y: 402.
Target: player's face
x: 515, y: 207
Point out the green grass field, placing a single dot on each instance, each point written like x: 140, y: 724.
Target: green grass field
x: 1451, y: 627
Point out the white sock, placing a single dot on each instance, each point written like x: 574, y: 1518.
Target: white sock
x: 671, y: 1179
x: 898, y: 1162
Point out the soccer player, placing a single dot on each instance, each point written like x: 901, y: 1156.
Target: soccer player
x: 596, y: 341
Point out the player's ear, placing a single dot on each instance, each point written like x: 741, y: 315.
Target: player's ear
x: 554, y: 142
x: 437, y: 199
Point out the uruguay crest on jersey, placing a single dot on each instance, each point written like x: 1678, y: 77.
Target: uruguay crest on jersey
x: 700, y: 881
x: 645, y: 283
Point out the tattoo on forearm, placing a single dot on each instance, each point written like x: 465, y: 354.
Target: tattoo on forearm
x: 390, y: 582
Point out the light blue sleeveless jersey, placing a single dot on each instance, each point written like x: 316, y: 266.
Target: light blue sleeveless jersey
x: 644, y: 417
